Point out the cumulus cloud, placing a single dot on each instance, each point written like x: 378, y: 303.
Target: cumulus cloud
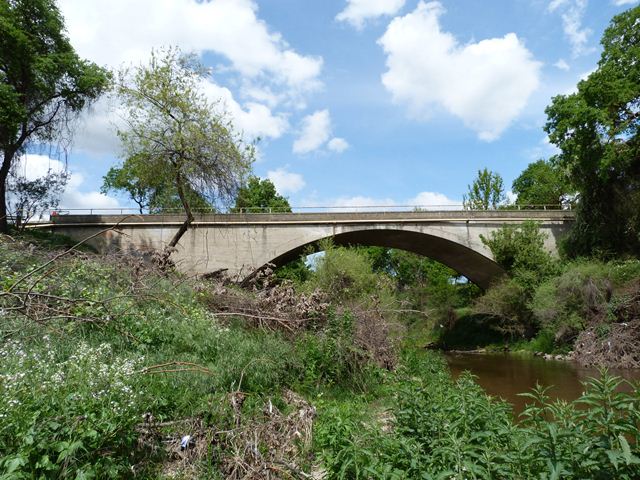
x: 253, y: 119
x: 286, y: 182
x: 33, y: 166
x: 572, y: 12
x: 271, y: 73
x: 112, y: 33
x: 337, y: 145
x: 357, y: 12
x: 486, y: 84
x: 562, y: 65
x: 620, y: 3
x: 315, y: 132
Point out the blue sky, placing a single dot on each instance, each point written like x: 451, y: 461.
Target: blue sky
x: 357, y: 102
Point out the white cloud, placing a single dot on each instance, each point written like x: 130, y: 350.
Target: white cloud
x: 358, y: 11
x: 253, y: 119
x: 486, y: 84
x: 315, y: 131
x: 360, y: 202
x: 562, y: 65
x: 286, y: 182
x: 271, y: 73
x: 337, y: 145
x: 425, y: 200
x: 619, y: 3
x: 572, y: 13
x: 544, y: 149
x: 123, y: 31
x: 96, y: 131
x: 34, y: 166
x: 432, y: 199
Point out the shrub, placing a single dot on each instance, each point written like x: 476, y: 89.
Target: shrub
x: 346, y: 274
x: 520, y: 251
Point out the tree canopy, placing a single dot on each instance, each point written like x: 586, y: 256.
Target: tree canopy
x: 43, y: 82
x: 260, y: 195
x: 486, y: 192
x: 541, y: 183
x: 154, y: 195
x: 176, y: 136
x: 596, y: 129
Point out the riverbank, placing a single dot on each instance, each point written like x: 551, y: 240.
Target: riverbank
x: 112, y: 367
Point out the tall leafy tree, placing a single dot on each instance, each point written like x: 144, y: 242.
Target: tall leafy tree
x: 154, y: 195
x: 486, y: 192
x: 176, y: 136
x: 43, y: 82
x: 260, y: 196
x: 541, y: 183
x: 136, y: 184
x: 596, y: 129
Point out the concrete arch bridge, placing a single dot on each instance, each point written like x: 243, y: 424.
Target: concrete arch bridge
x: 243, y: 243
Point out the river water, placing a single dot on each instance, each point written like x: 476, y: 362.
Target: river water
x: 505, y: 375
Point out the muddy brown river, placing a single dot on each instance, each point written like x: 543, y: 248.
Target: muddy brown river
x: 506, y: 375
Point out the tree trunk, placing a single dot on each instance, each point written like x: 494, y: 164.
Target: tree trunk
x: 187, y: 209
x: 4, y: 174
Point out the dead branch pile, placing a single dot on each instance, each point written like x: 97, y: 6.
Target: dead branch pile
x: 610, y: 345
x: 269, y: 303
x: 613, y: 343
x: 273, y: 447
x: 372, y: 335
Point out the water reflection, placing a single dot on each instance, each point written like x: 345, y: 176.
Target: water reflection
x: 506, y: 375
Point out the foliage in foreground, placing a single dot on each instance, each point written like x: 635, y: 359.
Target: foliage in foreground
x: 450, y: 429
x: 106, y: 365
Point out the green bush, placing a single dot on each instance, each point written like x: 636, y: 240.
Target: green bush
x: 347, y: 274
x: 332, y: 357
x: 572, y: 298
x: 520, y: 251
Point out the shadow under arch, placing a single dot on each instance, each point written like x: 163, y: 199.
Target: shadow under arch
x: 478, y: 268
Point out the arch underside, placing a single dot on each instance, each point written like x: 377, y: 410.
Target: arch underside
x: 478, y: 268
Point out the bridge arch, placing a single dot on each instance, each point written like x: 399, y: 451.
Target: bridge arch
x: 475, y: 266
x: 240, y: 244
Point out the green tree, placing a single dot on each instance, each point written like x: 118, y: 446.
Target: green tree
x: 486, y: 192
x: 175, y: 136
x: 135, y: 184
x: 519, y: 249
x: 541, y: 183
x: 43, y: 82
x: 596, y: 129
x: 156, y: 195
x: 259, y: 196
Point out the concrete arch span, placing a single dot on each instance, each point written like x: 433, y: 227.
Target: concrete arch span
x: 242, y: 243
x: 478, y: 268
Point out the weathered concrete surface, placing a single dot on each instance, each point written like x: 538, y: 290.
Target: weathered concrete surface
x: 243, y: 243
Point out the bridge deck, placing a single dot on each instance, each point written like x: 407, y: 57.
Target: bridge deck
x: 501, y: 216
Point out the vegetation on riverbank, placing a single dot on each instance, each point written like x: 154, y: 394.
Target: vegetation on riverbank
x: 108, y: 364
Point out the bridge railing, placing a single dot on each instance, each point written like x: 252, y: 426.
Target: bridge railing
x: 303, y: 209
